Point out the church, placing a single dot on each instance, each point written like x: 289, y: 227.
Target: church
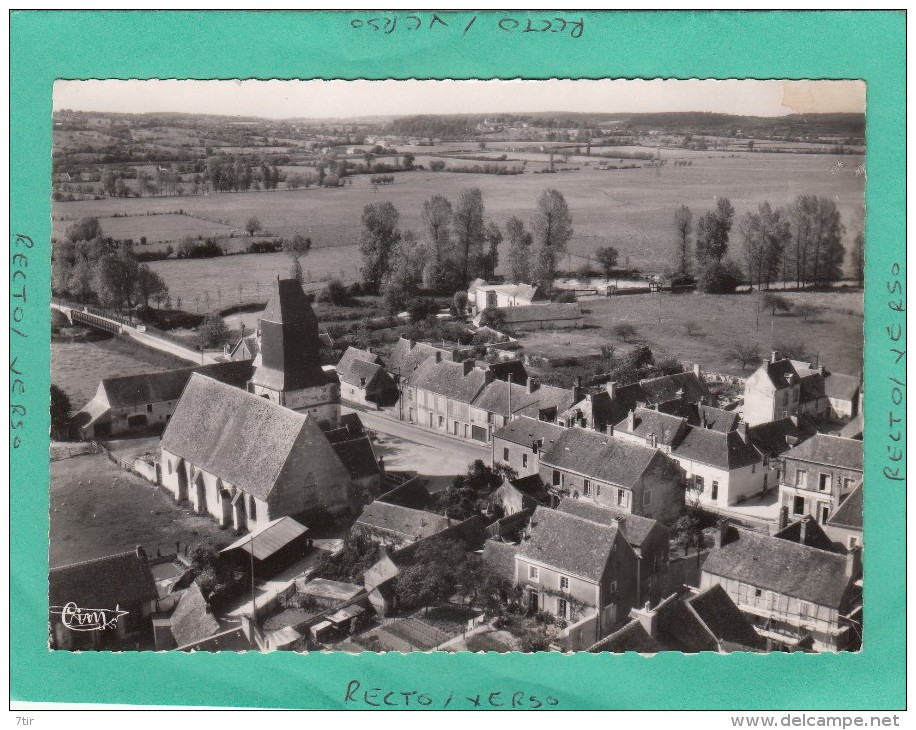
x: 281, y: 449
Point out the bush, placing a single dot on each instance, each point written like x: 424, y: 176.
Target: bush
x: 422, y: 307
x: 625, y: 331
x: 721, y: 278
x: 336, y: 293
x: 214, y: 332
x: 567, y: 297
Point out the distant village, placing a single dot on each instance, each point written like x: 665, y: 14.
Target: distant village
x: 648, y: 516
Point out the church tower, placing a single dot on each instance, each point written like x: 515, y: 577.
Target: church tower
x: 289, y: 368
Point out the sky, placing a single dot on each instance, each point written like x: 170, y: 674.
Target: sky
x: 346, y: 99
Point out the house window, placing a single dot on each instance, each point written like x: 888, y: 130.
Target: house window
x: 823, y: 483
x: 853, y: 542
x: 441, y: 421
x: 823, y: 512
x: 524, y: 460
x: 847, y: 483
x: 505, y: 454
x: 757, y: 593
x: 252, y: 508
x: 597, y: 490
x: 798, y: 506
x: 557, y: 478
x: 621, y: 498
x: 805, y: 609
x: 587, y: 488
x: 613, y: 586
x: 562, y: 608
x: 149, y: 407
x: 698, y: 484
x: 714, y: 493
x: 753, y: 468
x: 801, y: 478
x: 532, y: 572
x: 647, y: 498
x: 564, y: 583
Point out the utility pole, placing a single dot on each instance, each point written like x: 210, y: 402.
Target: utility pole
x: 400, y: 397
x: 254, y: 606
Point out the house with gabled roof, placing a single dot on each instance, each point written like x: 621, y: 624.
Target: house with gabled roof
x: 395, y: 526
x: 571, y: 567
x: 364, y: 380
x: 722, y: 467
x: 245, y: 460
x: 132, y: 403
x: 407, y: 355
x: 520, y: 442
x: 439, y: 394
x: 795, y: 595
x: 649, y: 538
x: 636, y: 478
x: 819, y: 473
x: 482, y: 295
x: 844, y: 526
x: 115, y: 583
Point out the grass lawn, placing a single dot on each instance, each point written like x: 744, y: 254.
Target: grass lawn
x: 448, y: 618
x: 721, y: 321
x: 98, y: 509
x: 77, y: 367
x: 490, y: 641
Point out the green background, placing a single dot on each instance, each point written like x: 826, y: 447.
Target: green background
x: 869, y: 46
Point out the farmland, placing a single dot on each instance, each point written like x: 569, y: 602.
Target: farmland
x: 721, y: 322
x: 630, y: 209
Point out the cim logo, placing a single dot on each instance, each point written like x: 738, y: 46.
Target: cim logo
x: 87, y: 619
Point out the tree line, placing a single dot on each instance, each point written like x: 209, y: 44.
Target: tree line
x: 800, y: 242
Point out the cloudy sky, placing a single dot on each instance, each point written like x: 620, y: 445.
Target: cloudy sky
x: 323, y: 99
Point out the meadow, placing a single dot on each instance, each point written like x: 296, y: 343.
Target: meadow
x: 719, y: 322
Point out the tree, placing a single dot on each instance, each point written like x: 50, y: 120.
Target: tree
x: 468, y: 226
x: 61, y: 412
x: 252, y: 225
x: 421, y: 307
x: 359, y: 553
x: 409, y: 160
x: 683, y: 226
x: 297, y: 247
x: 720, y: 277
x: 606, y: 256
x: 519, y: 251
x: 294, y: 181
x: 493, y: 318
x: 492, y: 236
x: 857, y: 258
x: 405, y: 273
x: 460, y: 302
x: 150, y: 285
x: 296, y: 272
x: 688, y: 528
x: 115, y: 279
x: 744, y: 354
x: 552, y: 229
x: 808, y: 311
x: 625, y: 331
x: 437, y: 220
x: 432, y: 575
x: 816, y: 247
x: 380, y: 234
x: 793, y: 350
x: 336, y: 293
x: 214, y: 332
x: 771, y: 301
x: 765, y: 233
x: 85, y: 229
x: 713, y: 229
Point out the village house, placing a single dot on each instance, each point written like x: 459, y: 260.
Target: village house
x: 842, y: 393
x: 121, y: 582
x: 395, y: 526
x: 407, y: 355
x: 844, y: 526
x: 722, y: 467
x: 775, y: 438
x: 795, y: 595
x: 289, y: 371
x: 635, y: 478
x: 573, y: 567
x: 135, y: 403
x: 606, y: 407
x: 245, y: 460
x: 545, y: 316
x: 482, y: 295
x: 687, y: 621
x: 519, y: 443
x: 649, y: 538
x: 818, y: 474
x: 363, y: 379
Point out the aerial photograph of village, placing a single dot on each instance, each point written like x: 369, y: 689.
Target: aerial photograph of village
x: 458, y: 366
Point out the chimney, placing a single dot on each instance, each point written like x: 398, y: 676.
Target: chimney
x: 647, y: 618
x: 822, y: 370
x: 532, y: 384
x: 141, y: 553
x: 721, y: 533
x: 611, y: 388
x: 609, y: 429
x: 488, y: 377
x: 631, y: 421
x: 854, y: 563
x: 774, y: 356
x: 703, y: 420
x: 577, y: 390
x: 803, y: 531
x: 696, y: 369
x: 652, y: 440
x: 784, y: 517
x: 381, y: 465
x: 468, y: 366
x: 362, y: 382
x: 679, y: 394
x: 438, y: 356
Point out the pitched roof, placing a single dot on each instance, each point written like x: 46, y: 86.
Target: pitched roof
x: 191, y: 621
x: 495, y: 397
x: 239, y: 437
x: 781, y: 373
x: 357, y: 457
x: 841, y: 387
x: 679, y: 628
x: 525, y: 430
x: 412, y: 493
x: 130, y: 390
x: 532, y: 486
x: 412, y: 524
x: 600, y: 456
x: 568, y: 543
x: 358, y: 365
x: 774, y: 438
x: 724, y: 619
x: 632, y: 637
x: 635, y: 528
x: 666, y: 387
x: 854, y: 428
x: 268, y: 539
x: 696, y: 414
x: 782, y: 566
x: 449, y: 379
x: 813, y: 535
x: 123, y: 579
x: 552, y: 311
x: 669, y: 430
x: 722, y: 450
x: 500, y: 556
x: 829, y: 450
x: 850, y: 512
x: 289, y: 305
x: 247, y: 347
x: 407, y: 355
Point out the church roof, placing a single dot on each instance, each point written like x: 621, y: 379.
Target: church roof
x: 289, y: 305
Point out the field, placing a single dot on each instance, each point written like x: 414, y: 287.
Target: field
x: 98, y: 509
x: 77, y: 367
x: 629, y: 209
x: 836, y: 334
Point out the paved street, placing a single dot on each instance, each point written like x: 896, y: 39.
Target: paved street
x: 406, y: 447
